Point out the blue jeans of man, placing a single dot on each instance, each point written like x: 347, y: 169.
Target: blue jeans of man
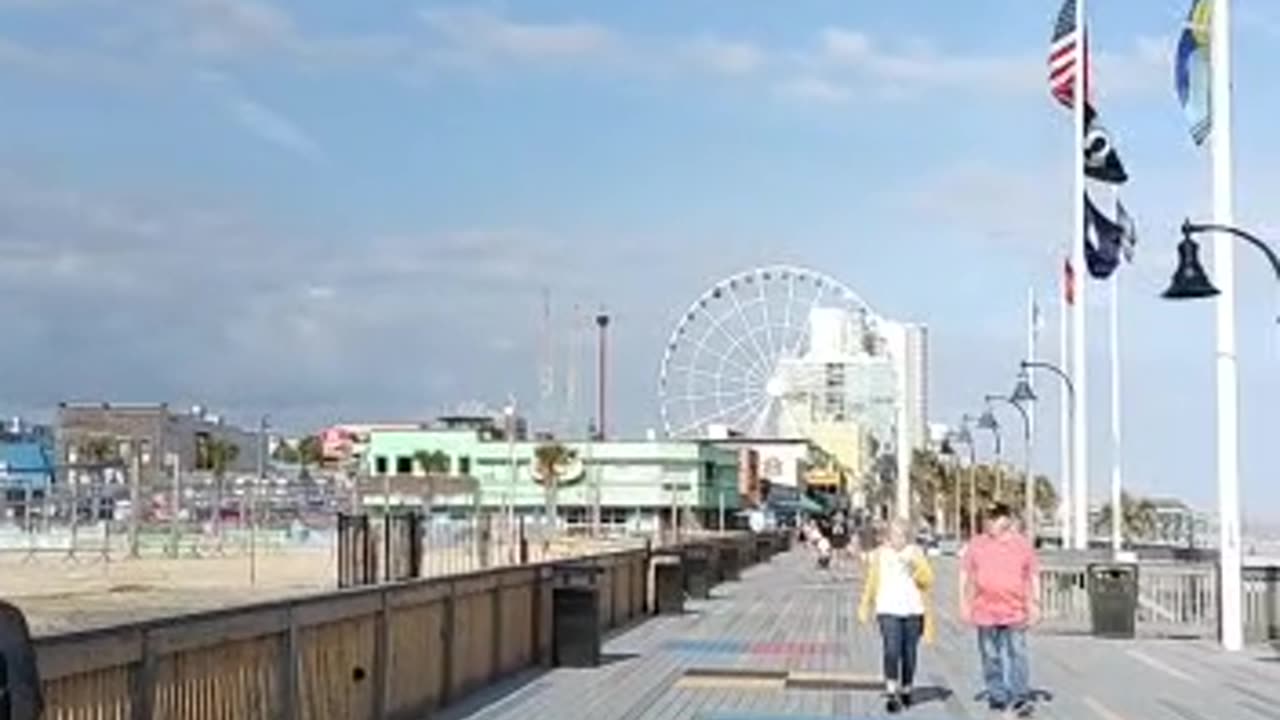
x: 1005, y: 666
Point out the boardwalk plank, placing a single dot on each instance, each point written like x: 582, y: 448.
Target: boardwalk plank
x: 789, y: 615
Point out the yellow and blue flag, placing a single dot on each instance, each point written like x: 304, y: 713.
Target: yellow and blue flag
x: 1191, y: 69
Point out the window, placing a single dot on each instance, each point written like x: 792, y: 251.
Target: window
x: 404, y: 465
x: 464, y: 465
x: 380, y: 465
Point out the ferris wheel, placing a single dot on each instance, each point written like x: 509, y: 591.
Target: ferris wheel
x: 742, y: 357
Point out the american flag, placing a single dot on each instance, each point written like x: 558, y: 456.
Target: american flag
x: 1068, y: 282
x: 1064, y: 56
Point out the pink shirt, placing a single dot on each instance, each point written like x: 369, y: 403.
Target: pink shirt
x: 1000, y: 572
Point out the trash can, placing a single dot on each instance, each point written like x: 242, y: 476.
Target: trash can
x: 575, y: 618
x: 764, y: 548
x: 730, y: 562
x: 1113, y: 600
x: 668, y: 584
x: 697, y: 571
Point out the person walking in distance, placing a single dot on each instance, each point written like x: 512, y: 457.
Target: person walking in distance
x: 899, y: 580
x: 999, y: 595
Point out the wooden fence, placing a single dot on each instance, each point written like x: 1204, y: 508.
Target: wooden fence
x: 396, y: 650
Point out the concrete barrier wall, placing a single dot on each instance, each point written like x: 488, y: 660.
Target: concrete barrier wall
x: 389, y: 651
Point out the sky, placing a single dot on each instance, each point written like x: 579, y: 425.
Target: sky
x: 329, y: 211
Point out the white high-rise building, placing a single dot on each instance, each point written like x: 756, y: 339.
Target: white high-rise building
x: 908, y: 345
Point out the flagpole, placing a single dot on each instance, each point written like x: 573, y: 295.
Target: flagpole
x: 1064, y: 414
x: 1227, y: 377
x: 1117, y: 511
x: 1029, y: 482
x: 1080, y: 445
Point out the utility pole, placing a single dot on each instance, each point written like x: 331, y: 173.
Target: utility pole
x: 253, y: 500
x: 602, y: 322
x: 135, y: 496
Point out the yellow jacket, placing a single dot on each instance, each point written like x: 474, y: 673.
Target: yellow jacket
x: 922, y: 574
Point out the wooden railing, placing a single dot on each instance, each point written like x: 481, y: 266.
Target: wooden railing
x: 391, y: 651
x: 1174, y: 599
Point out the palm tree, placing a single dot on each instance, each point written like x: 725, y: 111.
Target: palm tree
x: 221, y: 455
x: 551, y: 461
x: 310, y: 451
x: 432, y: 462
x: 1139, y: 519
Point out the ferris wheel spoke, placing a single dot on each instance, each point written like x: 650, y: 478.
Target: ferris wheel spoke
x: 716, y: 395
x: 747, y: 325
x: 768, y: 330
x: 803, y: 334
x: 755, y: 369
x: 751, y: 373
x: 709, y: 419
x: 757, y: 416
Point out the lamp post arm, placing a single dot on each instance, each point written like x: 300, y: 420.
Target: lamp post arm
x: 1189, y: 228
x: 1066, y: 379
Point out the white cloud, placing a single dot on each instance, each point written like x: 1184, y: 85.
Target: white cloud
x: 479, y: 34
x: 816, y: 89
x: 274, y: 128
x: 231, y: 26
x: 727, y: 57
x: 842, y: 46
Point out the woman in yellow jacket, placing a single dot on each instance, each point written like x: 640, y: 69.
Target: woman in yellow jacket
x: 897, y: 591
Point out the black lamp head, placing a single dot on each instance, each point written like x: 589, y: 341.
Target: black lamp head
x: 987, y: 420
x: 1023, y: 392
x: 1190, y: 281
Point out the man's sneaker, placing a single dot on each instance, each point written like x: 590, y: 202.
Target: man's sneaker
x: 905, y: 698
x: 997, y: 705
x: 893, y: 704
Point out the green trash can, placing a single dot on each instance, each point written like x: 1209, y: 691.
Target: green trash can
x: 668, y: 583
x: 575, y: 600
x: 1113, y: 600
x: 697, y: 571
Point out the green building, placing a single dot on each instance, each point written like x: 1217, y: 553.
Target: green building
x: 638, y: 481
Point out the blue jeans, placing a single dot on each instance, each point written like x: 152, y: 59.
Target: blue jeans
x: 900, y: 635
x: 1005, y: 667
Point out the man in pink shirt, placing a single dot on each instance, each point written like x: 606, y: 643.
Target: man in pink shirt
x: 999, y: 594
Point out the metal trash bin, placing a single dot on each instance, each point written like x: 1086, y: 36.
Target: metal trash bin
x: 668, y: 583
x: 764, y: 548
x: 697, y: 571
x: 730, y: 562
x: 1113, y: 600
x: 575, y: 615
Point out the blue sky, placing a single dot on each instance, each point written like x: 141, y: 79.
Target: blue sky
x: 348, y: 210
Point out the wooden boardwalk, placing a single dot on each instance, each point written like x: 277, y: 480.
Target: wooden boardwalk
x: 784, y: 644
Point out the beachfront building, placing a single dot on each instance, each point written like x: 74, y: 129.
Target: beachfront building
x: 639, y: 483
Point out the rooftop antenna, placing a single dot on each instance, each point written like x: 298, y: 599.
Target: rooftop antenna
x: 546, y: 369
x: 572, y: 351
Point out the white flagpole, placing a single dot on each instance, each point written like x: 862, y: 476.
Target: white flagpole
x: 1064, y: 413
x: 1228, y: 381
x: 1117, y: 511
x: 1029, y: 482
x: 1080, y: 446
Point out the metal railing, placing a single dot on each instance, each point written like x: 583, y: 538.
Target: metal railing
x: 1174, y: 599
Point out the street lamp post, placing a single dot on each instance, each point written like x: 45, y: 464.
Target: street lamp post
x: 253, y: 499
x: 1023, y: 392
x: 510, y: 413
x: 1190, y: 282
x: 1029, y: 487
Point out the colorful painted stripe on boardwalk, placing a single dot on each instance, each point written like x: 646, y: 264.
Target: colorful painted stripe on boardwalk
x: 738, y: 647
